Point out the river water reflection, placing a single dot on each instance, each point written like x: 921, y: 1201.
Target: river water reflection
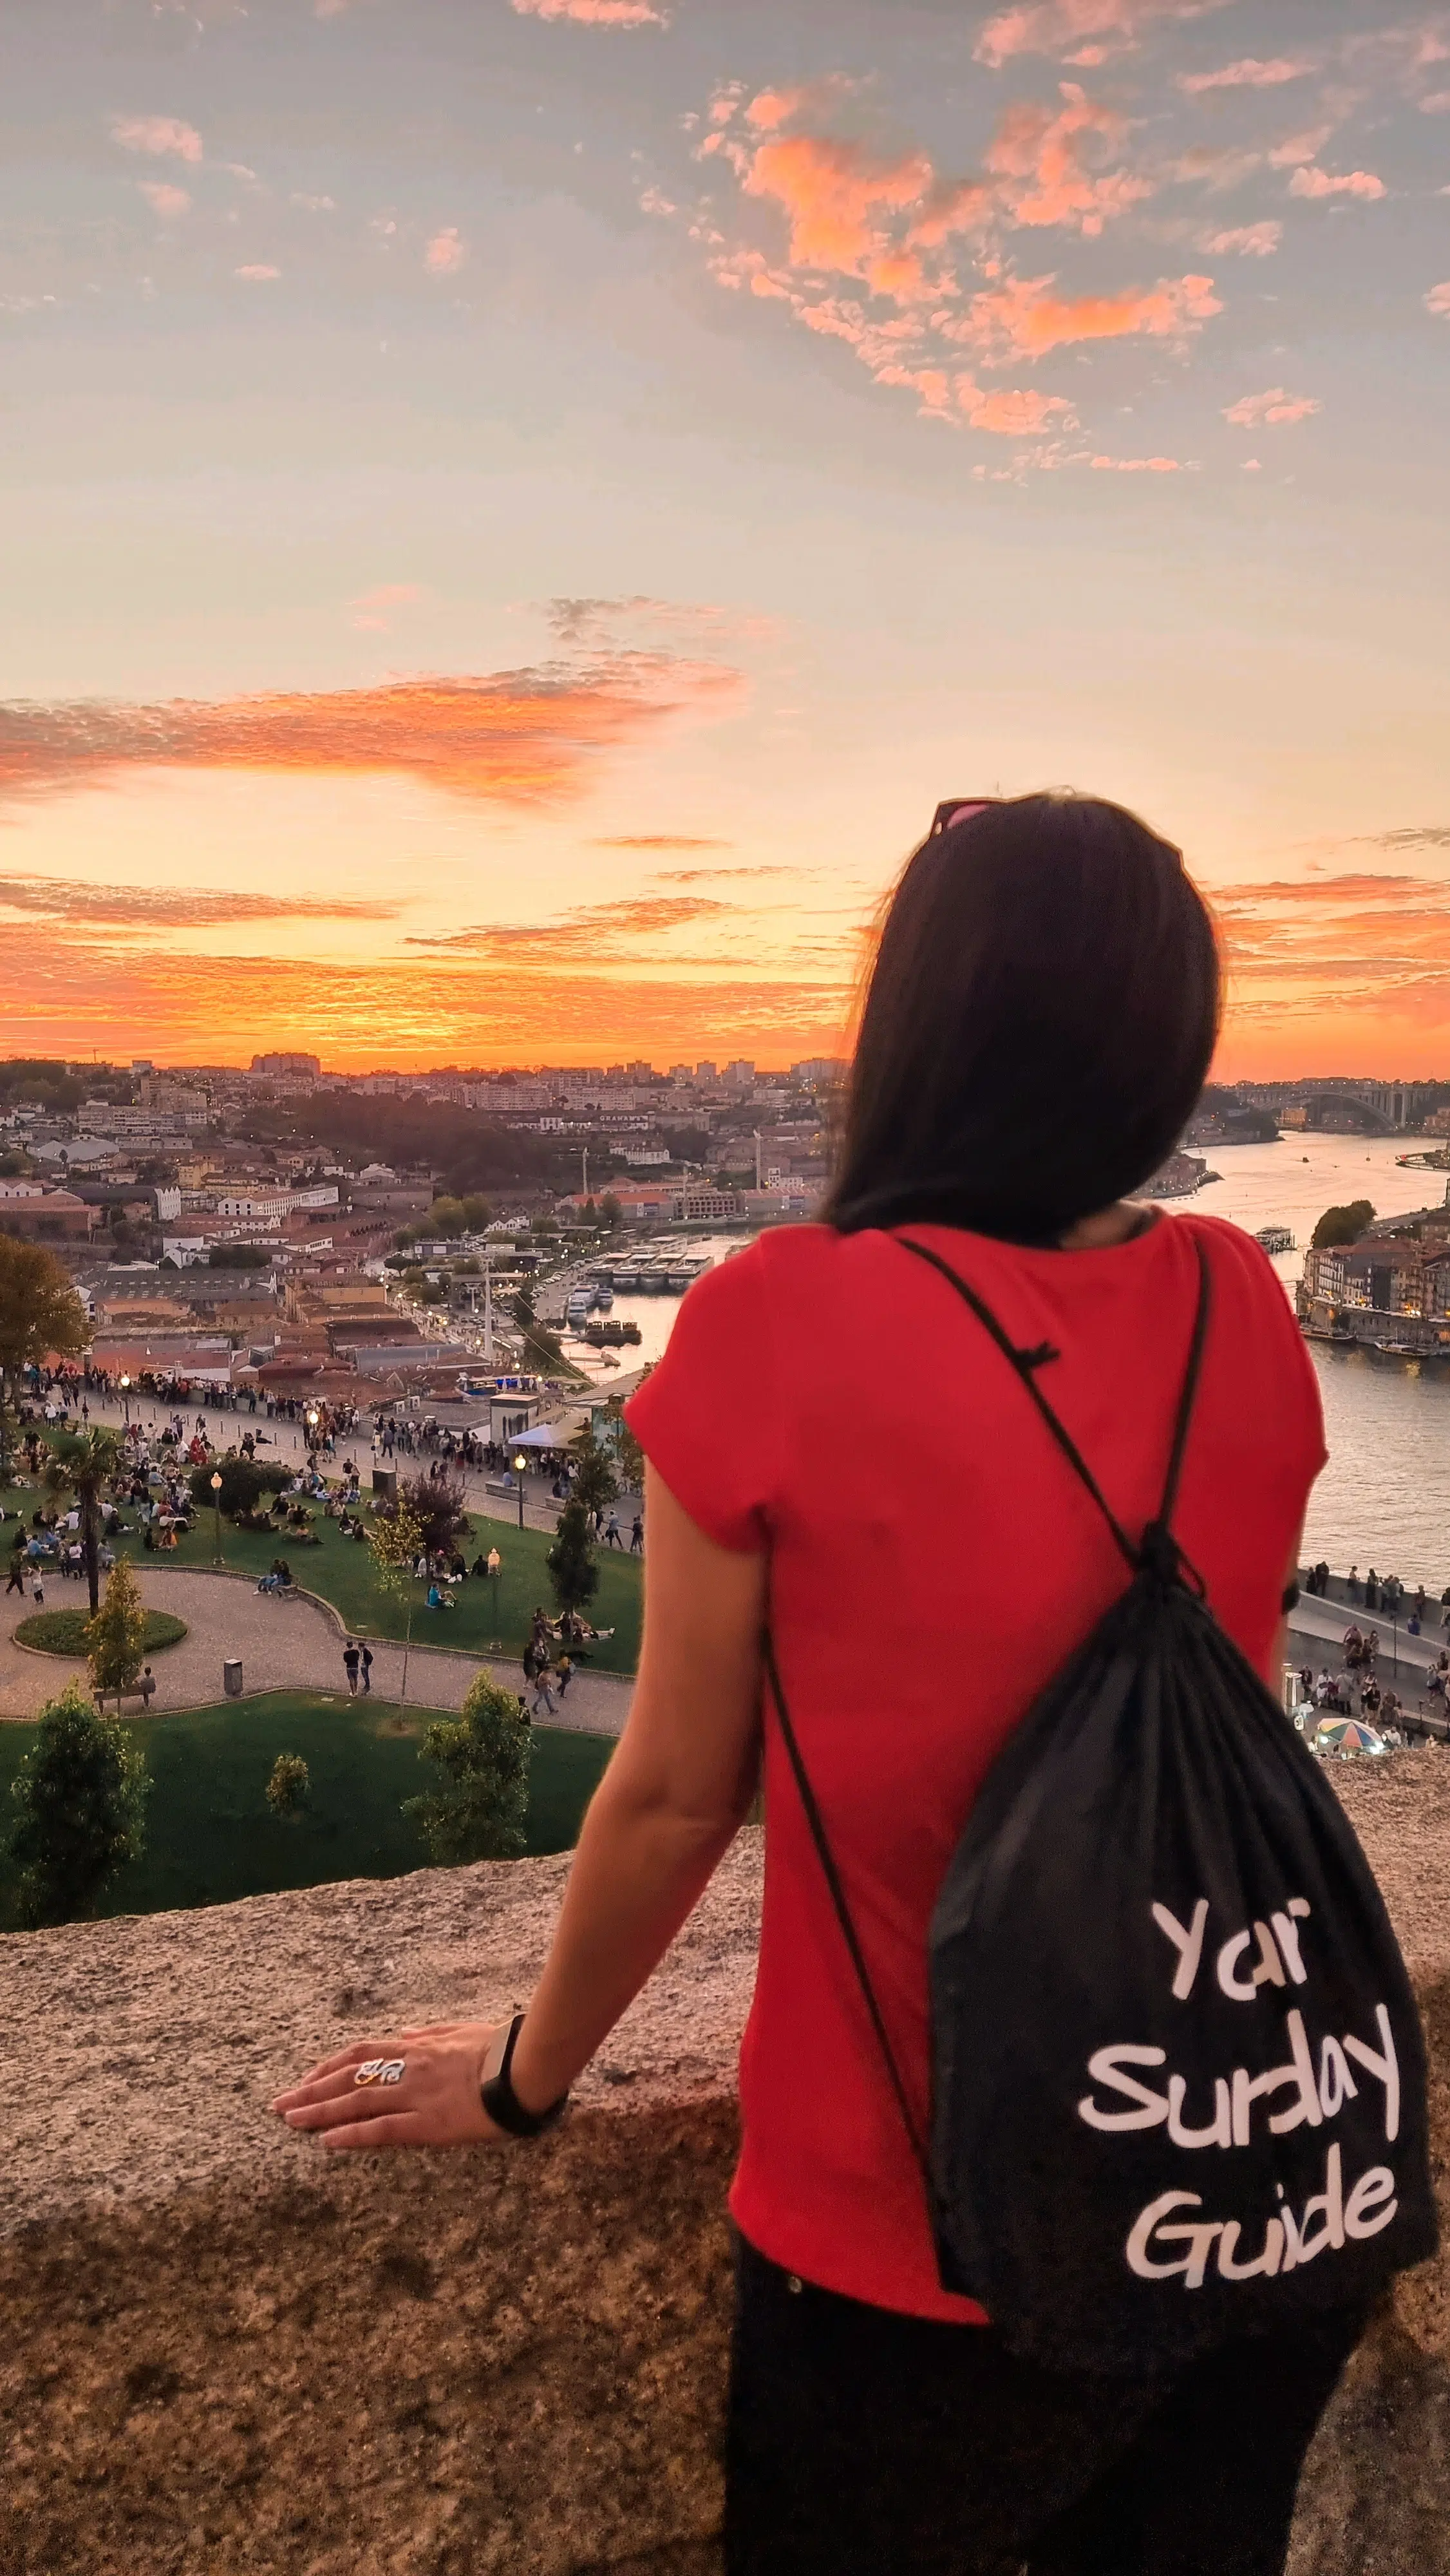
x: 1384, y: 1498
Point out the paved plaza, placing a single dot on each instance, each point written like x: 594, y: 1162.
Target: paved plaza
x: 283, y: 1645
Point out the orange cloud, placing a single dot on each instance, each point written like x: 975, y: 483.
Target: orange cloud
x: 1341, y: 955
x: 158, y: 135
x: 445, y: 252
x: 1438, y: 299
x: 258, y: 272
x: 1024, y: 319
x: 1275, y: 409
x: 1041, y: 159
x: 663, y: 841
x: 833, y: 193
x: 1137, y: 465
x: 76, y: 904
x: 595, y: 13
x: 1324, y: 183
x: 370, y: 604
x: 513, y: 736
x: 593, y: 934
x: 1082, y: 31
x: 163, y: 199
x: 1250, y: 73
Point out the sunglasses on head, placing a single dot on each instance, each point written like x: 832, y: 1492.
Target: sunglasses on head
x: 957, y: 808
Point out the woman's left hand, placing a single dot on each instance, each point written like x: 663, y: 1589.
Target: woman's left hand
x: 434, y: 2102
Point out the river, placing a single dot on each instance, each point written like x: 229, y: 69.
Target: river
x: 1384, y: 1498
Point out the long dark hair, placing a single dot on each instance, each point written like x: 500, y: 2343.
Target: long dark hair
x: 1040, y: 1016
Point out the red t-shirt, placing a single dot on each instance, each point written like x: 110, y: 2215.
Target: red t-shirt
x: 933, y: 1562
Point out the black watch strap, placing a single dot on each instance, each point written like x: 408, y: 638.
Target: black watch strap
x: 502, y: 2103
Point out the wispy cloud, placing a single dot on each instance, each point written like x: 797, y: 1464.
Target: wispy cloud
x: 1246, y: 241
x: 312, y: 205
x: 1438, y: 299
x: 258, y: 272
x: 663, y: 841
x: 370, y: 608
x: 595, y: 13
x: 1078, y: 31
x: 445, y: 253
x: 1276, y: 409
x: 1313, y: 182
x: 592, y: 933
x: 514, y: 736
x: 1249, y: 73
x: 163, y: 199
x: 145, y: 908
x: 158, y: 135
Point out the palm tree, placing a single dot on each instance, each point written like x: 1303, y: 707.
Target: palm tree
x: 81, y: 1463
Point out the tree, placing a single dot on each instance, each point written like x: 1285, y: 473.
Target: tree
x: 81, y: 1795
x: 610, y: 1210
x: 396, y: 1540
x: 595, y: 1482
x: 628, y: 1455
x: 116, y: 1633
x: 1342, y: 1224
x: 572, y: 1570
x: 238, y: 1256
x: 244, y: 1482
x: 477, y: 1213
x: 479, y: 1811
x: 81, y: 1463
x: 289, y: 1784
x: 437, y: 1505
x: 446, y: 1216
x: 39, y: 1313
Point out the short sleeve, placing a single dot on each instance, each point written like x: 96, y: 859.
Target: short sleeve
x: 707, y: 1416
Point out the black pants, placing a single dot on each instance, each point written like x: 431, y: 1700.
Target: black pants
x: 865, y: 2443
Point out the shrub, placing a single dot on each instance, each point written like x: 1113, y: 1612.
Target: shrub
x: 572, y: 1570
x: 287, y: 1789
x: 65, y: 1632
x: 480, y: 1810
x: 81, y: 1792
x: 244, y: 1482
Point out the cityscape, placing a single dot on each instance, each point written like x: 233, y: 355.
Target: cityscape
x: 725, y: 1288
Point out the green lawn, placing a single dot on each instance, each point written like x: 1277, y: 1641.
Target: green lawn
x: 210, y: 1835
x: 63, y: 1632
x: 342, y: 1572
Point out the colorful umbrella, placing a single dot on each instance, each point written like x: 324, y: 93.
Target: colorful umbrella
x: 1347, y: 1735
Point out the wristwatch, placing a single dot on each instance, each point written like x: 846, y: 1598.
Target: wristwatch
x: 502, y: 2103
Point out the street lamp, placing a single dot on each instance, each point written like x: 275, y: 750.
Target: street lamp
x: 520, y: 1463
x: 126, y: 1399
x: 216, y: 1513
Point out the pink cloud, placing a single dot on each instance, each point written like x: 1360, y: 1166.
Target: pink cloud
x: 1275, y: 409
x: 158, y: 135
x: 1137, y: 465
x: 1438, y: 299
x: 1435, y: 102
x: 445, y: 252
x: 1300, y: 147
x: 1248, y: 74
x: 389, y: 594
x: 162, y: 198
x: 1324, y: 183
x: 834, y: 193
x: 595, y: 13
x: 1079, y: 31
x: 1013, y: 411
x: 1023, y: 318
x: 258, y: 271
x: 1041, y: 160
x: 1250, y: 241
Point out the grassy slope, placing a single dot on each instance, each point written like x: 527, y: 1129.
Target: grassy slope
x: 211, y: 1837
x: 342, y: 1572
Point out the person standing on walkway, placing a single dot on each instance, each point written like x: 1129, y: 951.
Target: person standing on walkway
x: 611, y: 1533
x: 349, y: 1665
x: 365, y: 1663
x: 1041, y: 1015
x: 636, y: 1537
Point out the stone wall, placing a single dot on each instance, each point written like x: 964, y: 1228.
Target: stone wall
x: 224, y: 2351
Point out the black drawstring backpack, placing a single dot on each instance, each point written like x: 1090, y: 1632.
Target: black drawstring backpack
x: 1178, y: 2081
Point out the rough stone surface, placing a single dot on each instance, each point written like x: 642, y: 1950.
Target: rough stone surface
x: 223, y: 2351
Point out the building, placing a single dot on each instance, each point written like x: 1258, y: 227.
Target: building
x: 43, y: 1215
x: 700, y: 1204
x: 275, y: 1066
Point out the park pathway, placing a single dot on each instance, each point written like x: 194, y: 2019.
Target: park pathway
x: 283, y: 1645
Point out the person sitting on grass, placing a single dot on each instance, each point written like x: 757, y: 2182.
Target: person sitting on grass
x: 437, y: 1599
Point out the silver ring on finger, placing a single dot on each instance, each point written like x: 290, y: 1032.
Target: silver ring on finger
x: 380, y: 2070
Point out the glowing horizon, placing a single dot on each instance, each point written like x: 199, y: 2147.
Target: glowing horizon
x: 518, y: 518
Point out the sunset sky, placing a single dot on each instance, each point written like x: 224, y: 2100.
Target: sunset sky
x: 515, y: 511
